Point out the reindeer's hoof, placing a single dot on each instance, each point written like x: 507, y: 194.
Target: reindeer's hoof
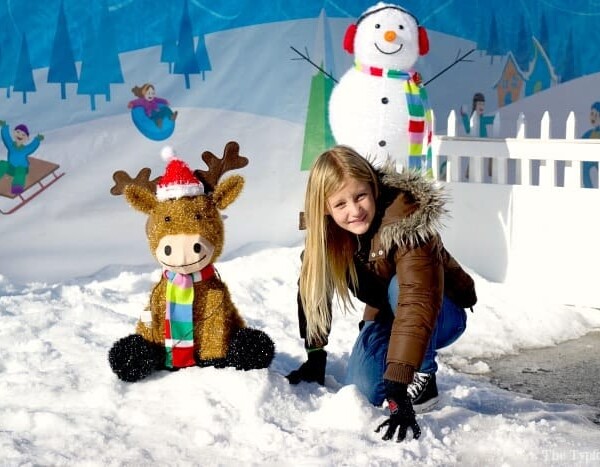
x: 132, y: 358
x: 250, y: 349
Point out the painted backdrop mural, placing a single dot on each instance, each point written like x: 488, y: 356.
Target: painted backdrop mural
x: 65, y: 63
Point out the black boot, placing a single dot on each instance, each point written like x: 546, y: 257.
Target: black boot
x: 132, y: 358
x: 250, y: 349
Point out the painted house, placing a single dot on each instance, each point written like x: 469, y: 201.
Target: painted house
x: 509, y: 87
x: 541, y: 72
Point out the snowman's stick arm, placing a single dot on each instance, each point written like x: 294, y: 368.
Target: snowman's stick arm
x: 307, y: 58
x: 458, y: 60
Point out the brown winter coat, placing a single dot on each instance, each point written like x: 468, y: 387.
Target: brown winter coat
x: 404, y: 241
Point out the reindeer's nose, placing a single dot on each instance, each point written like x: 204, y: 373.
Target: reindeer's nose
x: 389, y: 36
x: 184, y: 252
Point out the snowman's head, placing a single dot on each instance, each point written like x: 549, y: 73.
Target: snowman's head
x: 387, y: 36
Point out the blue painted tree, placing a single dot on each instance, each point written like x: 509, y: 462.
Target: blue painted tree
x: 168, y: 53
x: 524, y: 47
x: 481, y: 28
x: 62, y: 63
x: 186, y: 63
x: 110, y: 69
x: 544, y: 36
x: 9, y: 53
x: 493, y: 45
x: 202, y: 56
x: 568, y: 69
x: 90, y: 81
x: 24, y: 76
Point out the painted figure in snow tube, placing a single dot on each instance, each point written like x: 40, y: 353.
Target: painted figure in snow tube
x: 151, y: 114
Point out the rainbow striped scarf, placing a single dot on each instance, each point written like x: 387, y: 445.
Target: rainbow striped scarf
x: 179, y: 321
x: 419, y: 112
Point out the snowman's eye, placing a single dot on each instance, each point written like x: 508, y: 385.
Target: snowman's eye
x: 400, y: 27
x: 377, y: 26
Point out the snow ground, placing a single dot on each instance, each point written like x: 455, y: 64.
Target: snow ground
x: 61, y: 404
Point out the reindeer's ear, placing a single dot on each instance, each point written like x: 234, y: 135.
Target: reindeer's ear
x: 227, y: 191
x: 140, y: 198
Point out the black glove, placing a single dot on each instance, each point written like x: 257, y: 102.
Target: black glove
x: 312, y: 370
x: 402, y: 415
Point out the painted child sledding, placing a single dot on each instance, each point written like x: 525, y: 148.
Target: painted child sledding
x: 19, y: 149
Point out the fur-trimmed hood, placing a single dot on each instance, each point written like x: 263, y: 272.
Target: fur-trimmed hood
x: 414, y: 213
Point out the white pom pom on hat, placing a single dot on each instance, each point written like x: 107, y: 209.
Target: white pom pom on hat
x: 167, y: 153
x: 178, y: 180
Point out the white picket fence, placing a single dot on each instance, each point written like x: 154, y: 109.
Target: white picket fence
x: 528, y: 221
x: 543, y: 161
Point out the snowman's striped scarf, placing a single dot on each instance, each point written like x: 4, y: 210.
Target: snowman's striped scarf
x: 419, y: 112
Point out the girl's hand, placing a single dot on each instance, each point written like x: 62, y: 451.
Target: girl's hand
x: 402, y: 415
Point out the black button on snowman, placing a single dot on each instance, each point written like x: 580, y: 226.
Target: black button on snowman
x: 369, y: 107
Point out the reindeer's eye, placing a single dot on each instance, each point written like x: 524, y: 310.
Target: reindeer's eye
x: 167, y: 218
x: 197, y: 216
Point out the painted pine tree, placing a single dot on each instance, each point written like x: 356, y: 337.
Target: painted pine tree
x: 186, y: 63
x: 168, y: 51
x: 202, y: 56
x: 110, y: 68
x: 493, y: 47
x: 568, y: 69
x: 317, y: 132
x: 544, y: 37
x: 62, y: 68
x: 524, y: 47
x: 24, y: 75
x: 90, y: 81
x: 9, y: 53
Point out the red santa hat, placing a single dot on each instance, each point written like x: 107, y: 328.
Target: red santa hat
x: 178, y: 180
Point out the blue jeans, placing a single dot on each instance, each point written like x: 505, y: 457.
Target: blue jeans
x: 368, y: 358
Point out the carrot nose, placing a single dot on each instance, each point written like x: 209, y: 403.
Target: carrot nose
x: 389, y: 36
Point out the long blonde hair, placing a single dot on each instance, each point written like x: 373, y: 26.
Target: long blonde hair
x: 327, y: 264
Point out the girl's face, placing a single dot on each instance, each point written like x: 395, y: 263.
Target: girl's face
x: 352, y: 207
x: 149, y: 94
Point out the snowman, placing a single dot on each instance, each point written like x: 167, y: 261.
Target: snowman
x: 379, y: 107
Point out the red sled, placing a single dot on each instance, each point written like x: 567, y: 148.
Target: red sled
x: 42, y: 174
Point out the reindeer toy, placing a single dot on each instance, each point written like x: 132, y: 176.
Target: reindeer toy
x: 193, y: 320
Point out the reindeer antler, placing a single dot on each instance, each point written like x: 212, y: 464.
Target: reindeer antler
x: 217, y: 167
x: 122, y: 179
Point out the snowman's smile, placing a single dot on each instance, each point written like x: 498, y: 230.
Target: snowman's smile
x: 389, y: 53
